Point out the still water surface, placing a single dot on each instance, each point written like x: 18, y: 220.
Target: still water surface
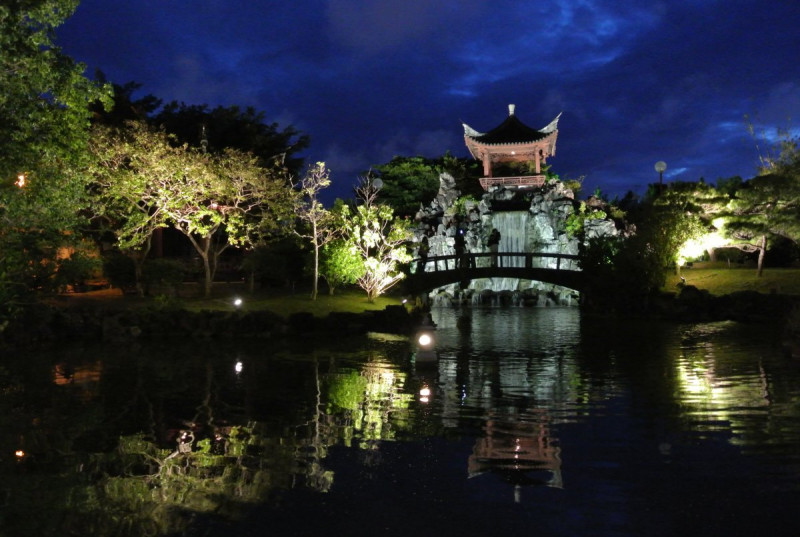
x: 533, y: 421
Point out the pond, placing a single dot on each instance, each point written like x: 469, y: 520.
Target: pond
x: 530, y: 420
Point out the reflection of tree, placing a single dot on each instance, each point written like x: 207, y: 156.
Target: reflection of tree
x: 101, y: 457
x: 143, y: 440
x: 367, y: 405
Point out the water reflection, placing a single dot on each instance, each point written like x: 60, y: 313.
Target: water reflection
x: 520, y: 449
x: 164, y: 439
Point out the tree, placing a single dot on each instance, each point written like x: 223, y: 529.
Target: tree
x: 679, y: 213
x: 125, y: 107
x: 320, y: 222
x: 243, y: 129
x: 44, y: 113
x: 407, y: 183
x: 44, y: 105
x: 227, y: 200
x: 622, y: 272
x: 340, y: 264
x: 144, y: 181
x: 130, y: 167
x: 767, y: 206
x: 378, y: 238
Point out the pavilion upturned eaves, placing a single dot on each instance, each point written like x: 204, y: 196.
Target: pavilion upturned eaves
x: 512, y: 141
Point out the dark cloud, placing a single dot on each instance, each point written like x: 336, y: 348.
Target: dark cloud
x: 637, y: 80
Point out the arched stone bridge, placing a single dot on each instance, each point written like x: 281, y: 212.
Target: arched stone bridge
x: 558, y: 269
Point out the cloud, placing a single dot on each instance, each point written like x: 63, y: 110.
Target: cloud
x: 370, y: 27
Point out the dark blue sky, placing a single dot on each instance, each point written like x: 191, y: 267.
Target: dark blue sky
x: 637, y: 80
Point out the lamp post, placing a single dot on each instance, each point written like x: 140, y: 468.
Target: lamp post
x: 660, y: 167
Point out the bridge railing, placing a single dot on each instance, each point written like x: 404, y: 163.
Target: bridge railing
x: 504, y: 260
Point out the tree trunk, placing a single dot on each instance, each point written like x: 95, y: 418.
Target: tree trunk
x: 315, y: 283
x: 762, y: 250
x: 207, y: 279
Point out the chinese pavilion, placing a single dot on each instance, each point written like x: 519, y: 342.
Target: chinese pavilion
x: 512, y: 141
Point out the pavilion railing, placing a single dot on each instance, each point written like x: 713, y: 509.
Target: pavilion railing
x: 518, y: 181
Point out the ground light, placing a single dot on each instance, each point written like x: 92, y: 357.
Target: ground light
x: 425, y: 353
x: 238, y: 302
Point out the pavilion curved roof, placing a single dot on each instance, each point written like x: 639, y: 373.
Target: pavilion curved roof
x: 511, y: 131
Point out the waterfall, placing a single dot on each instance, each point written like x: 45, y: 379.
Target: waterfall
x: 512, y: 226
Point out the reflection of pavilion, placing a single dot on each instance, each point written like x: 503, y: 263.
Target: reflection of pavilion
x: 85, y: 377
x: 517, y: 450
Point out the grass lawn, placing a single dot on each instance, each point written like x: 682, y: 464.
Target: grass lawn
x: 284, y: 302
x: 719, y: 279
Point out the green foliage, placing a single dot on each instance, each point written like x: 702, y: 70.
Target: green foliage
x: 574, y: 184
x: 142, y: 181
x: 460, y: 205
x: 624, y: 272
x: 275, y: 263
x: 767, y: 207
x: 163, y: 272
x: 119, y: 269
x: 244, y: 129
x: 407, y: 183
x: 378, y: 238
x: 576, y: 221
x: 44, y: 116
x: 76, y: 270
x: 340, y: 264
x: 729, y: 186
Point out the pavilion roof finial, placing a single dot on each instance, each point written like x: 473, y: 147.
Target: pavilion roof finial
x: 511, y: 108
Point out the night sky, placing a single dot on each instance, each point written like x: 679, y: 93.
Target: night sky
x: 638, y: 81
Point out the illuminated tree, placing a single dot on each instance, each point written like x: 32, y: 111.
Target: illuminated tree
x: 321, y: 223
x: 340, y: 264
x: 129, y: 168
x: 144, y: 182
x: 378, y: 238
x: 678, y: 214
x: 622, y: 272
x: 227, y: 200
x: 768, y: 205
x: 44, y: 117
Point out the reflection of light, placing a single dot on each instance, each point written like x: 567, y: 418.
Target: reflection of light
x: 425, y: 340
x: 20, y: 180
x: 697, y: 381
x: 424, y: 394
x: 238, y: 367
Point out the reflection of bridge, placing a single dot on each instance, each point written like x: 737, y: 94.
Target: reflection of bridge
x: 559, y: 269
